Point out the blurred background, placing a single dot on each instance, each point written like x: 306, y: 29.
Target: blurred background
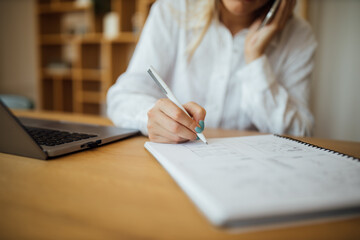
x: 63, y: 55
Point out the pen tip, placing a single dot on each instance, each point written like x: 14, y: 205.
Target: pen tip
x: 206, y: 143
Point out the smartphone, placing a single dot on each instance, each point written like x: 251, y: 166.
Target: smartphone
x: 270, y: 14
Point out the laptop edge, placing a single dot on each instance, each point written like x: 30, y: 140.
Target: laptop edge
x: 15, y: 139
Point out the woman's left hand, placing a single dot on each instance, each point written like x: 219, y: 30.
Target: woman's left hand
x: 258, y: 39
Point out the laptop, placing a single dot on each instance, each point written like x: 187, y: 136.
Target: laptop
x: 45, y: 139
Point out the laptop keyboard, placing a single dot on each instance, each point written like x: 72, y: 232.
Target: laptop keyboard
x: 49, y: 137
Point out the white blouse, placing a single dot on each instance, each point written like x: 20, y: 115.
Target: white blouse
x: 271, y: 94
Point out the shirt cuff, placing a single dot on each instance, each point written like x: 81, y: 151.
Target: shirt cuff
x: 142, y: 119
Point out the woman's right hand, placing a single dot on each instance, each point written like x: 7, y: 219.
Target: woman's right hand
x: 167, y: 123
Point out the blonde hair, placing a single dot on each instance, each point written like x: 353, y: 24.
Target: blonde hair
x: 204, y: 12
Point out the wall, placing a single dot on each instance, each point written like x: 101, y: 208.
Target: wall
x: 336, y: 80
x: 18, y: 66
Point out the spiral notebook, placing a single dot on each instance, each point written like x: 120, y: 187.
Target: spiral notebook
x: 263, y: 180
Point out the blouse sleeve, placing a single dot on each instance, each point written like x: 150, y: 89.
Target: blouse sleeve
x: 279, y: 103
x: 134, y: 93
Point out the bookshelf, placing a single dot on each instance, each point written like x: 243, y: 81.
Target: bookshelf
x: 77, y: 62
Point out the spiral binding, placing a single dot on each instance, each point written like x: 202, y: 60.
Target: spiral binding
x: 318, y: 147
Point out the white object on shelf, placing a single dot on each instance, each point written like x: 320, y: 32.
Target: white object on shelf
x: 82, y: 3
x: 111, y: 25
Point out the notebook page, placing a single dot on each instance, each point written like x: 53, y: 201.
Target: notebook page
x: 260, y: 176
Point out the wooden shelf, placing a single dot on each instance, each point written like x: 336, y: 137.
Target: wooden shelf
x: 53, y: 73
x: 93, y: 97
x: 91, y: 74
x: 126, y: 37
x: 94, y: 62
x: 90, y: 38
x: 56, y: 39
x: 61, y: 8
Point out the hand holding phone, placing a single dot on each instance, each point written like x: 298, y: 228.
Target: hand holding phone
x: 270, y: 14
x: 259, y: 36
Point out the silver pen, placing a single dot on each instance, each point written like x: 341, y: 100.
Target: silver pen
x: 162, y: 85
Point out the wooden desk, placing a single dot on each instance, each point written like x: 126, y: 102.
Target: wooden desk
x: 120, y: 191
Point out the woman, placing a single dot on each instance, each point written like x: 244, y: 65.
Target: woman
x: 214, y: 57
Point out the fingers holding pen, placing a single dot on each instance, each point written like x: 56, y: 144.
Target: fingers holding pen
x: 161, y: 135
x: 168, y: 123
x: 165, y: 130
x: 198, y: 114
x: 168, y: 117
x: 178, y: 115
